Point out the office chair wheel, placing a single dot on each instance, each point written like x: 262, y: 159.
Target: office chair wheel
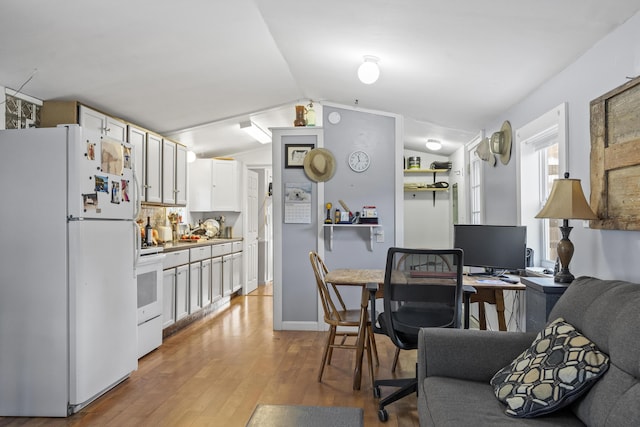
x: 376, y: 392
x: 383, y: 415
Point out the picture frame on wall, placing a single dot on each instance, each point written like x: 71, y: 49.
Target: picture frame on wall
x: 295, y: 153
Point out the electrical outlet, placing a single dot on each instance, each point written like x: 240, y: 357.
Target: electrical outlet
x: 380, y: 236
x: 585, y: 223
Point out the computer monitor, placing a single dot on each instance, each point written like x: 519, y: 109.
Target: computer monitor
x: 493, y: 247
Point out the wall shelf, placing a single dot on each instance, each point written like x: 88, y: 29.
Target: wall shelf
x: 410, y: 171
x: 330, y: 227
x: 417, y: 189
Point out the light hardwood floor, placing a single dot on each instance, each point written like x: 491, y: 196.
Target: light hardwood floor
x: 215, y: 372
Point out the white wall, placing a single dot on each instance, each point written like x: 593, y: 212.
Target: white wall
x: 607, y: 254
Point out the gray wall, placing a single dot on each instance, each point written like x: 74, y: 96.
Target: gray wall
x: 606, y: 254
x: 295, y: 294
x: 374, y: 134
x: 299, y: 296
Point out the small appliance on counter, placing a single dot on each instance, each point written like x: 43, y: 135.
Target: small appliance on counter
x: 164, y: 234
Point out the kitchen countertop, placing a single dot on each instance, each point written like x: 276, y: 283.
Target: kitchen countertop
x: 180, y: 245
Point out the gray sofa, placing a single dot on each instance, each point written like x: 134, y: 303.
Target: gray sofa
x: 455, y: 366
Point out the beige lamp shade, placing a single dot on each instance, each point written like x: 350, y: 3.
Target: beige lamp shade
x: 566, y: 201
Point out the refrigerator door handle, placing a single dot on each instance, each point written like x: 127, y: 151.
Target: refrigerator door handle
x: 136, y: 247
x: 137, y: 197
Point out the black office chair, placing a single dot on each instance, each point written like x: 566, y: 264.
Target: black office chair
x: 415, y: 297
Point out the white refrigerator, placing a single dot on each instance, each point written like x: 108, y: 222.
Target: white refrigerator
x: 67, y: 277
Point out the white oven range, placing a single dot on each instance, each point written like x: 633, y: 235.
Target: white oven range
x: 149, y: 290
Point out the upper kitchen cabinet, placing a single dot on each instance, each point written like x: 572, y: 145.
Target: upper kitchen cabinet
x: 106, y: 125
x: 138, y: 139
x: 56, y: 113
x: 153, y: 182
x: 181, y: 175
x: 174, y: 173
x: 148, y: 166
x: 161, y: 164
x: 214, y: 186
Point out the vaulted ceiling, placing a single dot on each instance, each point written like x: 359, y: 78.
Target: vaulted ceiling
x: 194, y: 69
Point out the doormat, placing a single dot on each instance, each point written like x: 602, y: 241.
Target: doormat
x: 306, y: 416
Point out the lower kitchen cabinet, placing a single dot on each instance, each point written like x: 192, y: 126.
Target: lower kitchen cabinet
x: 198, y: 280
x: 195, y: 279
x: 236, y: 276
x: 182, y: 291
x: 227, y: 275
x: 205, y: 282
x: 216, y: 278
x: 169, y: 297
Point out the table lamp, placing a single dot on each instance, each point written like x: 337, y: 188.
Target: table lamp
x: 566, y: 202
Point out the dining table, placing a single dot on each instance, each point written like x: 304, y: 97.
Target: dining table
x: 371, y: 281
x: 358, y: 277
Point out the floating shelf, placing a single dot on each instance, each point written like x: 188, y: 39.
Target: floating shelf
x: 426, y: 170
x: 417, y: 189
x: 332, y: 226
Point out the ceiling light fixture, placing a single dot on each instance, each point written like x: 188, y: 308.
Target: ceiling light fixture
x: 433, y: 144
x: 368, y: 72
x: 259, y: 134
x: 191, y: 156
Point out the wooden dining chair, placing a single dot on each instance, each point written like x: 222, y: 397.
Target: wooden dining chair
x: 424, y: 262
x: 336, y: 315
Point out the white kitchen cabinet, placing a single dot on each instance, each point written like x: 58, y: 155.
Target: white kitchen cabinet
x: 216, y: 278
x: 138, y: 139
x: 226, y: 194
x: 153, y: 184
x: 200, y: 186
x: 168, y: 171
x: 214, y: 186
x: 182, y: 292
x: 106, y: 125
x: 169, y: 297
x: 195, y: 271
x: 205, y: 283
x: 236, y: 274
x: 227, y: 275
x: 180, y: 182
x: 175, y: 286
x: 174, y: 173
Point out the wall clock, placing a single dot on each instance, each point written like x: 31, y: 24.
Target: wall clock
x: 359, y: 161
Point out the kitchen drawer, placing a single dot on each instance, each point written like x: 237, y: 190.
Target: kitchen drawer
x: 221, y: 249
x: 174, y: 259
x: 200, y: 253
x: 236, y: 247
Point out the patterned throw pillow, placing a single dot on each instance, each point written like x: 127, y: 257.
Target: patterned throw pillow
x: 560, y: 365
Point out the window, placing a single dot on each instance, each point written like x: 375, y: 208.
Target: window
x: 476, y: 190
x: 542, y: 160
x: 475, y: 183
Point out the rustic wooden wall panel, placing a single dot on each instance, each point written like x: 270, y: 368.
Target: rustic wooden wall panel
x: 615, y: 158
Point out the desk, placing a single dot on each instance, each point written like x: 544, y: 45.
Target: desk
x: 490, y: 291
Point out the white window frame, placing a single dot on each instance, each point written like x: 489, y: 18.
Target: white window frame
x: 475, y: 182
x: 542, y: 132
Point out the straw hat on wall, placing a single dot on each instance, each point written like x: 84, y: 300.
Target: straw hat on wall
x: 501, y: 142
x: 319, y: 165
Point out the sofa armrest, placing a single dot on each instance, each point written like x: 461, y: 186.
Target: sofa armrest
x: 468, y: 354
